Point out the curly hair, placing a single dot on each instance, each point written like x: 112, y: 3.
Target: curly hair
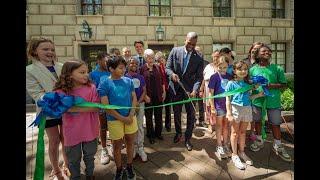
x: 65, y: 82
x: 256, y: 55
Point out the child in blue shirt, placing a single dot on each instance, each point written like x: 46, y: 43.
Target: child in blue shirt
x: 239, y: 112
x: 119, y: 90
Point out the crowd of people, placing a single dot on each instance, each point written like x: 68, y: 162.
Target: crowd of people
x: 144, y: 81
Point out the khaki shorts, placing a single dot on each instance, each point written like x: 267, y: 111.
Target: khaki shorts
x: 241, y: 113
x: 117, y: 129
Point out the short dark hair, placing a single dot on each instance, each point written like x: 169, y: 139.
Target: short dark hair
x: 225, y: 50
x: 102, y: 55
x: 113, y: 50
x: 139, y: 41
x: 115, y: 61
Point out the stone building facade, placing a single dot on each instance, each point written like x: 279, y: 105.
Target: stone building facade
x: 121, y: 22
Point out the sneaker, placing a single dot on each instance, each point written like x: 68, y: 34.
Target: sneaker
x: 110, y: 148
x: 221, y: 152
x: 118, y: 175
x: 130, y: 173
x: 104, y: 158
x: 237, y: 162
x: 245, y: 158
x: 142, y: 154
x: 256, y: 145
x: 280, y: 151
x: 227, y: 151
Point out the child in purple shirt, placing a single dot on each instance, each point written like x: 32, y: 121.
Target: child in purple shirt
x: 140, y: 89
x: 217, y: 84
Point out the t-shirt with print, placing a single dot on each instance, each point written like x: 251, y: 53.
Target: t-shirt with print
x: 218, y: 83
x: 81, y: 126
x: 274, y: 74
x: 240, y: 99
x: 207, y: 73
x: 96, y: 75
x: 119, y: 92
x: 138, y: 83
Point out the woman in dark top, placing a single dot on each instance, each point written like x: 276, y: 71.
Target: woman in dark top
x: 155, y: 95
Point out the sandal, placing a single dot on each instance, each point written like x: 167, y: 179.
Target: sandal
x: 56, y: 175
x: 66, y: 170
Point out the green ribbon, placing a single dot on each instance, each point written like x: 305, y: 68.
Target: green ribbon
x: 39, y: 171
x: 263, y: 119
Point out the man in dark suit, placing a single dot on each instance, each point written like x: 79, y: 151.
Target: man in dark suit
x: 139, y: 46
x: 184, y: 67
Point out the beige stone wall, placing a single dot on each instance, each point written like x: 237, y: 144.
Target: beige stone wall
x: 124, y: 21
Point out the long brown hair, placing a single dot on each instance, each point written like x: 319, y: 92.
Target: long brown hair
x: 237, y: 65
x: 65, y: 82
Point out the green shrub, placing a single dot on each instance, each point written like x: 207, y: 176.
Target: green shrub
x: 287, y: 100
x: 290, y: 83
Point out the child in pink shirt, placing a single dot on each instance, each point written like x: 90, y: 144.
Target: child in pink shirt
x: 80, y: 125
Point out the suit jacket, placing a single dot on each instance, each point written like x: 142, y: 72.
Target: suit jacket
x: 137, y: 57
x: 40, y: 80
x: 191, y: 78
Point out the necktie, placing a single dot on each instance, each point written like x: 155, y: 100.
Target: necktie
x: 185, y: 61
x: 140, y: 61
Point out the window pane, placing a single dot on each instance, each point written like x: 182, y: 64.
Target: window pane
x: 154, y: 11
x: 281, y: 46
x: 225, y: 12
x: 90, y: 10
x: 225, y: 3
x: 216, y: 12
x: 87, y: 1
x: 165, y: 11
x: 279, y: 4
x: 273, y: 60
x: 165, y: 2
x: 280, y: 61
x: 84, y: 10
x: 98, y: 9
x: 154, y: 2
x: 216, y: 3
x: 273, y: 6
x: 280, y: 55
x: 97, y: 1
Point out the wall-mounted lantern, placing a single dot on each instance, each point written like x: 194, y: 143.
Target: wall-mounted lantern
x: 160, y: 33
x: 85, y: 32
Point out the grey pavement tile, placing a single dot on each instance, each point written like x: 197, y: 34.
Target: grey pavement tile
x: 146, y: 170
x: 186, y: 173
x: 171, y: 167
x: 279, y: 175
x: 255, y: 173
x: 233, y: 171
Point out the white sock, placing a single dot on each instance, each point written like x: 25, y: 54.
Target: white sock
x: 277, y: 142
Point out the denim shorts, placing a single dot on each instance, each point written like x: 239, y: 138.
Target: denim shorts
x: 220, y: 112
x: 274, y: 115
